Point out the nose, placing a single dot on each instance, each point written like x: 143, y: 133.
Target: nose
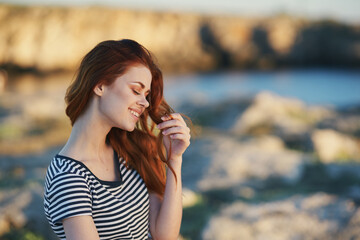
x: 144, y: 102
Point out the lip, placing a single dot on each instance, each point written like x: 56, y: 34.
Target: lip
x: 135, y: 110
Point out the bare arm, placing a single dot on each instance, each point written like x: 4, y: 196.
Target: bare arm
x: 166, y: 211
x: 79, y: 228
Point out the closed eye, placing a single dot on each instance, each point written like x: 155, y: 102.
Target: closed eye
x: 136, y: 92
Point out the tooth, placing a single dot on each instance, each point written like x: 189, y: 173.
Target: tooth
x: 135, y: 113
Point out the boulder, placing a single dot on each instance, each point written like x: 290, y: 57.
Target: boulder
x: 318, y: 216
x: 345, y: 123
x: 352, y: 230
x: 283, y: 116
x: 331, y: 146
x: 233, y: 163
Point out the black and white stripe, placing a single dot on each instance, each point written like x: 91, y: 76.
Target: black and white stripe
x: 120, y: 209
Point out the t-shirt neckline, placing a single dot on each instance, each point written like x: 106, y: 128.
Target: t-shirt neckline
x: 111, y: 183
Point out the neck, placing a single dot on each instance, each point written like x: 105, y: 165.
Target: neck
x: 88, y: 138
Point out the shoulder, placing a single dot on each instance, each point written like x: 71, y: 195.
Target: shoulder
x: 67, y: 191
x: 64, y: 171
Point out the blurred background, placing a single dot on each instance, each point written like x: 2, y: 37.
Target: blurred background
x: 272, y: 87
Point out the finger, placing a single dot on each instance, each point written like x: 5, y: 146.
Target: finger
x: 172, y: 130
x: 179, y: 117
x: 176, y: 116
x: 166, y: 117
x: 171, y: 123
x: 180, y: 136
x: 173, y: 116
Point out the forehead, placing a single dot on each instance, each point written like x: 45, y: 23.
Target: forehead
x: 138, y: 74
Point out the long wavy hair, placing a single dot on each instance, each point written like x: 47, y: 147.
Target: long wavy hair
x: 141, y: 149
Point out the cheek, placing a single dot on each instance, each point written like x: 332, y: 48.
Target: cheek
x: 119, y: 100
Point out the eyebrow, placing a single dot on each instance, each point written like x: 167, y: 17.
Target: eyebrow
x: 141, y: 85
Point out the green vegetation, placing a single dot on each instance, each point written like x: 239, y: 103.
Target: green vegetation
x: 196, y: 217
x: 10, y: 131
x: 21, y: 234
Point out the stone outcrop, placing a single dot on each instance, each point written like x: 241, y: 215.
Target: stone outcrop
x: 53, y: 38
x: 331, y: 146
x: 270, y: 113
x: 293, y: 121
x: 318, y: 216
x: 234, y: 164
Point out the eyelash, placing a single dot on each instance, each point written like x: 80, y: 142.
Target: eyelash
x: 137, y: 93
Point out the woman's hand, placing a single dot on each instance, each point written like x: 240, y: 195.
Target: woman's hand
x: 175, y: 131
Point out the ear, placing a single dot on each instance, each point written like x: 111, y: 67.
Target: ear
x: 99, y: 89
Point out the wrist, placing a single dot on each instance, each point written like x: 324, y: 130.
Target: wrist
x: 175, y: 161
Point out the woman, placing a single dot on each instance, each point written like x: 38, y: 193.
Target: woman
x: 109, y: 181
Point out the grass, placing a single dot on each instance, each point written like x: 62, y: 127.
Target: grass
x: 195, y: 218
x: 10, y: 131
x: 21, y: 234
x: 209, y: 115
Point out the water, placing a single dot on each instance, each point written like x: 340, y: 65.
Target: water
x: 338, y: 88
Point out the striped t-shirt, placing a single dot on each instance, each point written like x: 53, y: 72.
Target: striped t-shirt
x: 120, y: 209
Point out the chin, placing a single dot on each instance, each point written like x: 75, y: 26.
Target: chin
x: 129, y: 128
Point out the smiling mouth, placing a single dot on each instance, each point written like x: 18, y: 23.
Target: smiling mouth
x: 136, y: 114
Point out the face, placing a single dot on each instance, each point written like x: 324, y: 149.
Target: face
x: 122, y: 102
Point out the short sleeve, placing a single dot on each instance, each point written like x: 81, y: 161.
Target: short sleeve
x: 68, y: 195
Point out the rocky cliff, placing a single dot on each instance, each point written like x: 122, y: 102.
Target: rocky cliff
x: 56, y: 38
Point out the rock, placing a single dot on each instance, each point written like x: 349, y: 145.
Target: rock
x: 56, y: 38
x: 190, y: 198
x: 282, y: 33
x: 21, y: 203
x: 345, y: 123
x: 271, y: 113
x: 269, y: 143
x: 67, y: 34
x: 11, y: 209
x: 20, y: 208
x: 233, y: 163
x: 331, y: 146
x: 318, y: 216
x: 352, y: 230
x: 3, y: 80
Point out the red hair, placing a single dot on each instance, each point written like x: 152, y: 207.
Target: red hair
x: 142, y: 148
